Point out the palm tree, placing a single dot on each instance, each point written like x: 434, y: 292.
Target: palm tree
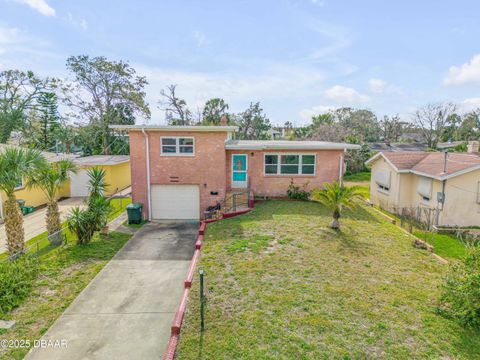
x: 49, y: 178
x: 16, y: 164
x: 336, y: 197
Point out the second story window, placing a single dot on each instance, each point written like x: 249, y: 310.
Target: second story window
x: 177, y: 146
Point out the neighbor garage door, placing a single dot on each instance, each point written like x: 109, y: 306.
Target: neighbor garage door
x: 79, y: 184
x: 175, y: 202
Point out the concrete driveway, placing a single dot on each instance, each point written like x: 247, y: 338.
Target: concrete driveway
x: 127, y: 310
x: 34, y: 223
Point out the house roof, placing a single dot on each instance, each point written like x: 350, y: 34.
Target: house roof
x: 286, y: 145
x: 430, y: 164
x: 102, y: 160
x: 49, y: 156
x: 174, y: 128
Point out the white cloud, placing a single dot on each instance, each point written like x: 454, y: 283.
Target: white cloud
x: 471, y: 104
x: 318, y: 2
x: 465, y: 73
x: 377, y: 86
x: 77, y: 21
x: 307, y: 114
x: 39, y: 5
x: 238, y: 89
x: 345, y: 94
x: 200, y: 38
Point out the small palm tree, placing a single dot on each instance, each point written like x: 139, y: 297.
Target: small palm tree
x: 16, y: 164
x: 336, y: 197
x: 49, y: 178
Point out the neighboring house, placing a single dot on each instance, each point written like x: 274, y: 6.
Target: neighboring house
x: 117, y: 168
x: 446, y: 183
x: 35, y: 197
x: 179, y: 171
x: 398, y: 146
x: 117, y: 173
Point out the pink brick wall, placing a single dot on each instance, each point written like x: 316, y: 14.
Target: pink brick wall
x: 327, y: 170
x: 206, y: 169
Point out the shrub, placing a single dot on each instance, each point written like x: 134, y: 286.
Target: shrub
x: 16, y: 281
x: 460, y: 297
x: 82, y: 223
x: 297, y: 192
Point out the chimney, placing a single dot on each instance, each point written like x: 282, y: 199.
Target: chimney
x: 473, y: 146
x: 224, y: 121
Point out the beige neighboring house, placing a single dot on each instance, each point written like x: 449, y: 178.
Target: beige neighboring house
x: 446, y: 183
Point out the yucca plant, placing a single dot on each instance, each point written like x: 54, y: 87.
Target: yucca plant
x: 16, y: 164
x: 49, y: 179
x: 336, y: 197
x: 96, y: 183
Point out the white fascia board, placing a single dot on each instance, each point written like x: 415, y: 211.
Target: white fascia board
x: 175, y: 128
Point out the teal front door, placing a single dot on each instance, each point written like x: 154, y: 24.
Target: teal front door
x: 239, y: 171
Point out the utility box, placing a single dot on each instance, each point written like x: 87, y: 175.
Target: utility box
x: 134, y: 212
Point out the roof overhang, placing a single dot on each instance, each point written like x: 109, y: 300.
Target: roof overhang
x: 187, y: 128
x: 419, y: 173
x: 321, y: 146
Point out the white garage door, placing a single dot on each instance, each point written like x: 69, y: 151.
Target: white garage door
x: 175, y: 202
x: 79, y: 184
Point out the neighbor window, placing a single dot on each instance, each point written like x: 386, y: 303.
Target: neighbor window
x: 289, y: 164
x: 183, y: 146
x: 383, y: 187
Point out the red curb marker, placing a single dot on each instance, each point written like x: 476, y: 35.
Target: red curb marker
x: 201, y: 231
x: 191, y: 269
x: 187, y: 284
x: 171, y: 348
x: 178, y: 319
x: 198, y: 244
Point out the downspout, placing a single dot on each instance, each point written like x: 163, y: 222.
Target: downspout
x: 340, y: 175
x: 147, y: 155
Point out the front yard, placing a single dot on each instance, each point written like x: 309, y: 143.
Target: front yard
x: 63, y: 273
x: 281, y: 284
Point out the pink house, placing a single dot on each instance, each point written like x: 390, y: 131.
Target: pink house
x: 180, y: 171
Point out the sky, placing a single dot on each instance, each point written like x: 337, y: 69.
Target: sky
x: 297, y: 57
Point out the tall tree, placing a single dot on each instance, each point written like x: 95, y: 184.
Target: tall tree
x: 432, y: 120
x: 359, y: 123
x: 469, y: 128
x: 391, y: 128
x: 213, y: 111
x: 19, y: 91
x: 176, y: 110
x: 48, y: 122
x: 253, y: 123
x: 102, y: 90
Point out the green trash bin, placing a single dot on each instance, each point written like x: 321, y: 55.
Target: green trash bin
x: 134, y: 212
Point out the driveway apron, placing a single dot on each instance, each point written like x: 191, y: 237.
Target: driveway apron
x: 127, y: 310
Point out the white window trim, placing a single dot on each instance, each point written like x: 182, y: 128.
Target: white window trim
x: 299, y: 165
x: 177, y: 146
x: 383, y: 191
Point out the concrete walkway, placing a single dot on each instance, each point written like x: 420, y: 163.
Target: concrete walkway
x: 127, y: 310
x: 34, y: 223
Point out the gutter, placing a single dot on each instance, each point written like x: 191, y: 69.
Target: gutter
x: 147, y: 156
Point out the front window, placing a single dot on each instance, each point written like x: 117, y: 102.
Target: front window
x: 177, y: 146
x: 289, y: 164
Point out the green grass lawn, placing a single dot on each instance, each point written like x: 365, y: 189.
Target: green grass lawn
x: 64, y: 273
x: 445, y: 245
x: 281, y: 284
x: 358, y: 177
